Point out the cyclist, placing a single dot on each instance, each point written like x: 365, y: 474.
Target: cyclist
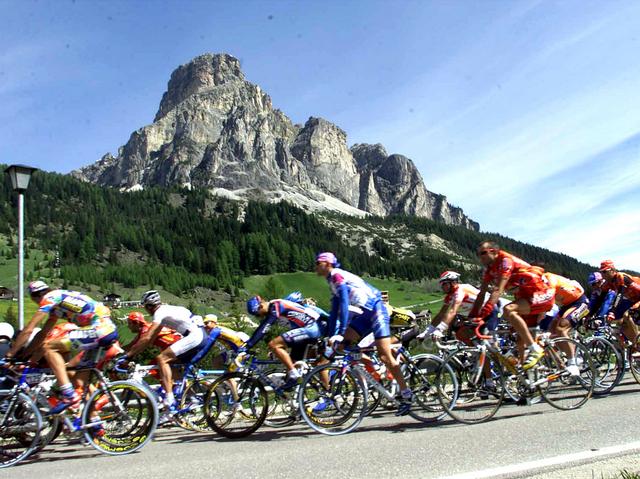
x: 532, y: 295
x: 228, y: 340
x: 573, y: 306
x: 350, y: 290
x: 601, y: 299
x: 627, y: 288
x: 179, y: 319
x: 95, y: 330
x: 306, y: 325
x: 458, y: 301
x: 140, y: 326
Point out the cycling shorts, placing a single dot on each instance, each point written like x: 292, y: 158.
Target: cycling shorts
x: 305, y: 334
x: 580, y: 310
x: 374, y: 321
x: 190, y: 343
x: 623, y: 307
x: 540, y: 301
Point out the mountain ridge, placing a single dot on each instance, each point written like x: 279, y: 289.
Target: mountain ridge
x: 216, y: 130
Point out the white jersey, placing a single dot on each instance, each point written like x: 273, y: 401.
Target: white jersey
x: 177, y: 318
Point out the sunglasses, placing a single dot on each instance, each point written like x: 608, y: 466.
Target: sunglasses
x: 485, y: 252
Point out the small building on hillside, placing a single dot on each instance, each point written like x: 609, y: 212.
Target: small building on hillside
x: 112, y: 300
x: 6, y: 293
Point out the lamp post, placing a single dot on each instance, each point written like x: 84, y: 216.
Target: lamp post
x: 20, y: 176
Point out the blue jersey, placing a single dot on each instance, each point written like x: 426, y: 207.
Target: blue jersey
x: 600, y: 302
x: 348, y: 290
x: 295, y: 315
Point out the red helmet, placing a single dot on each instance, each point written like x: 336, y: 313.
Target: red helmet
x: 137, y: 317
x: 606, y: 265
x: 449, y: 276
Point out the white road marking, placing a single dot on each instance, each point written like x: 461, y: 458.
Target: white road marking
x: 548, y: 462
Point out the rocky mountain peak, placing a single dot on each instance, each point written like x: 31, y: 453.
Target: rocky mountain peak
x: 216, y: 130
x: 200, y: 74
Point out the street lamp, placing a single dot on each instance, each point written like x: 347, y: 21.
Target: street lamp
x: 20, y: 176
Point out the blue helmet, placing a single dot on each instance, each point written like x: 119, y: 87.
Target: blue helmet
x: 295, y: 296
x: 594, y: 277
x: 253, y: 305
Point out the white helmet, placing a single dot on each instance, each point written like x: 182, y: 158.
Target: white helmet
x: 38, y: 286
x: 449, y: 276
x: 150, y: 298
x: 6, y: 330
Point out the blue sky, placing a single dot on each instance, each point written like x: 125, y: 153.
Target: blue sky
x: 524, y: 113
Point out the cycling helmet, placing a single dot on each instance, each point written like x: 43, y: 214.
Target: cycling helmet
x: 328, y: 258
x: 6, y: 330
x: 449, y: 276
x: 210, y: 318
x: 38, y: 286
x: 606, y: 265
x: 151, y: 298
x: 136, y: 317
x: 295, y: 296
x: 253, y: 305
x: 594, y: 278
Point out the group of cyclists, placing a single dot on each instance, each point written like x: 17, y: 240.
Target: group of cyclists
x: 540, y: 299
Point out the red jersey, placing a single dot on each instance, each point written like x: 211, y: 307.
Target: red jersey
x: 519, y: 273
x: 166, y: 337
x: 626, y: 284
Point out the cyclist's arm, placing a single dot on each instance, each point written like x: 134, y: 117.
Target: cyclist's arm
x: 147, y: 338
x: 494, y: 297
x: 342, y: 299
x: 25, y: 334
x: 264, y: 327
x: 479, y: 300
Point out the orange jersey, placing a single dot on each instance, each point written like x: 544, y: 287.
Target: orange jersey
x: 166, y: 337
x: 519, y: 273
x: 627, y: 285
x: 567, y: 290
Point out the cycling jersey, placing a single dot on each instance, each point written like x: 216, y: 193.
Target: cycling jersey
x: 625, y: 284
x: 73, y: 306
x: 600, y: 302
x: 567, y: 291
x: 507, y: 266
x: 350, y: 290
x: 231, y: 339
x: 463, y: 295
x: 177, y: 318
x: 295, y: 315
x: 166, y: 337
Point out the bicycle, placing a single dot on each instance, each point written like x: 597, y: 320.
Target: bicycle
x: 480, y: 398
x: 114, y: 417
x: 343, y: 385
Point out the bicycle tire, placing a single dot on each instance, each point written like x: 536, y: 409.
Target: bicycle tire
x: 608, y: 364
x: 20, y: 425
x: 633, y: 359
x: 476, y: 401
x: 283, y: 406
x: 345, y: 400
x: 236, y: 405
x: 423, y: 377
x: 128, y: 413
x: 562, y: 390
x: 191, y: 416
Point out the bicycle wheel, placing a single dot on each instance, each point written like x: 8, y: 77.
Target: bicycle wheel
x: 608, y: 364
x: 190, y: 414
x: 120, y: 418
x: 633, y: 357
x: 332, y: 399
x: 478, y: 399
x: 558, y: 386
x: 236, y: 405
x: 283, y: 406
x: 20, y: 424
x: 51, y: 425
x: 424, y: 377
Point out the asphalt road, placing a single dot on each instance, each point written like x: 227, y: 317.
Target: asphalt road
x: 383, y: 446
